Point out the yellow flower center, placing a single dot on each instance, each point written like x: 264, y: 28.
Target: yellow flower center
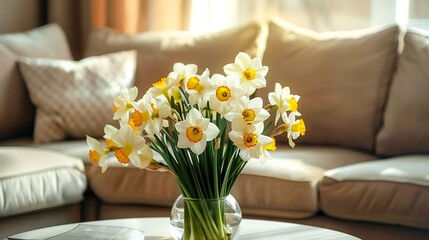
x: 249, y: 74
x: 110, y: 144
x: 223, y: 93
x: 271, y: 146
x: 299, y: 127
x: 293, y: 104
x: 122, y: 154
x: 194, y: 134
x: 160, y: 84
x: 194, y: 84
x: 94, y: 156
x: 138, y: 118
x: 248, y: 115
x: 250, y: 140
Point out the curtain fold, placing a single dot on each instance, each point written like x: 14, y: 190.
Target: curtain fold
x: 78, y: 17
x: 131, y: 16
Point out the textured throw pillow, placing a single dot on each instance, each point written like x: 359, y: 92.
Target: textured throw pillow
x: 17, y: 115
x: 74, y: 99
x: 342, y: 78
x: 158, y: 51
x: 406, y: 129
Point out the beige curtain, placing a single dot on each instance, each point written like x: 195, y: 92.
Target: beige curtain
x: 131, y: 16
x: 78, y: 17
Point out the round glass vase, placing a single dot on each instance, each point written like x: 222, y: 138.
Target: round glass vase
x: 192, y: 218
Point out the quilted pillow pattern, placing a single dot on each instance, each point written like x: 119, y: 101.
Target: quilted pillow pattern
x: 74, y: 99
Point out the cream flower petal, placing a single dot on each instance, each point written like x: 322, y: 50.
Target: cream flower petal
x: 183, y: 141
x: 199, y: 147
x: 182, y: 126
x: 212, y: 131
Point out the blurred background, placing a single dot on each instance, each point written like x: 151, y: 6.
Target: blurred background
x: 77, y: 17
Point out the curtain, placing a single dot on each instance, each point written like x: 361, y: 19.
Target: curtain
x: 78, y: 17
x: 131, y: 16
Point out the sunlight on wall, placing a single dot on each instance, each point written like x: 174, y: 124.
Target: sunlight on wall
x: 318, y: 15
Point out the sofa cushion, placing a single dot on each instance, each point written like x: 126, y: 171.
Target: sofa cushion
x: 74, y: 99
x: 394, y: 191
x: 33, y: 179
x: 405, y: 129
x: 342, y: 78
x: 285, y: 187
x: 47, y: 41
x: 158, y: 51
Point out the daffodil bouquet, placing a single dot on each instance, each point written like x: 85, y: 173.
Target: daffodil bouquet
x: 201, y: 128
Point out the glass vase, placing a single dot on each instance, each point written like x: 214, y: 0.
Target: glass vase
x: 205, y: 218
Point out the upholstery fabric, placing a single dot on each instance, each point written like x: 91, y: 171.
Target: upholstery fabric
x: 389, y: 191
x: 18, y: 114
x: 405, y: 129
x: 35, y: 179
x: 342, y: 78
x: 158, y: 51
x: 74, y: 99
x: 285, y: 186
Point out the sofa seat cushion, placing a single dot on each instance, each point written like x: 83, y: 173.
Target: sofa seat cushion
x: 34, y: 179
x: 284, y: 187
x: 392, y: 191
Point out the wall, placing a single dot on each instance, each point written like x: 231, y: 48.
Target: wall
x: 18, y: 15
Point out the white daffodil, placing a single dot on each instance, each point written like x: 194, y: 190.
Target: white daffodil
x: 249, y: 111
x: 195, y: 131
x: 166, y: 86
x: 109, y: 131
x: 129, y: 147
x: 161, y: 109
x: 250, y: 71
x: 295, y: 128
x: 284, y: 101
x: 123, y: 104
x: 97, y: 154
x: 185, y: 71
x: 227, y: 91
x: 163, y: 106
x: 199, y: 89
x: 142, y: 113
x: 249, y: 139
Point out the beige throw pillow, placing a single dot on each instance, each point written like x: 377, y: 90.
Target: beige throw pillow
x: 342, y: 78
x: 75, y: 99
x: 158, y: 51
x: 16, y: 110
x: 406, y: 128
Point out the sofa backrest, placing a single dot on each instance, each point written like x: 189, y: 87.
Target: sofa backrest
x: 405, y: 129
x: 16, y: 110
x: 342, y: 78
x: 158, y: 51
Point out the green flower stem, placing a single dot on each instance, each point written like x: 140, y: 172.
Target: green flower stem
x: 205, y: 219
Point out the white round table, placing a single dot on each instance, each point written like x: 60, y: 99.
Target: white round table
x: 159, y: 228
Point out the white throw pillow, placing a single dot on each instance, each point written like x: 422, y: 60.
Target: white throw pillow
x: 75, y: 99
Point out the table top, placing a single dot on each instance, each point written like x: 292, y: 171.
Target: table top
x: 159, y: 228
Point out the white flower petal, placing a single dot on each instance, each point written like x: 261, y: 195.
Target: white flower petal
x: 183, y: 141
x: 182, y: 126
x: 211, y: 132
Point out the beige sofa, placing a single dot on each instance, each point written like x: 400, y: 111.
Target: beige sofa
x: 362, y: 168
